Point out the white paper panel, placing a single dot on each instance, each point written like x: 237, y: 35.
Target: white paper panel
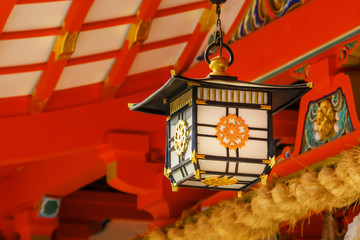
x: 188, y: 150
x: 173, y: 25
x: 213, y: 166
x: 234, y: 186
x: 100, y: 40
x: 210, y: 114
x: 173, y: 123
x: 204, y: 175
x: 156, y: 58
x: 254, y: 149
x: 193, y: 183
x: 206, y: 130
x: 32, y: 16
x: 241, y: 178
x: 171, y: 144
x: 210, y: 146
x: 190, y: 168
x: 84, y: 74
x: 25, y: 51
x: 108, y: 9
x: 232, y: 110
x: 174, y: 3
x: 174, y: 158
x: 232, y: 153
x: 254, y: 118
x: 177, y: 175
x: 232, y: 166
x: 251, y: 168
x: 18, y: 84
x: 188, y: 116
x: 258, y: 134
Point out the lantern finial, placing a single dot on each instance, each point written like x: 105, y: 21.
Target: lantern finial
x: 218, y: 64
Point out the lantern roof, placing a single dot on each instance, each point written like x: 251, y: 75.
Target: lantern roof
x: 157, y: 103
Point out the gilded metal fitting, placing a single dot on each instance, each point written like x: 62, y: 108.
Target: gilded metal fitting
x: 219, y: 65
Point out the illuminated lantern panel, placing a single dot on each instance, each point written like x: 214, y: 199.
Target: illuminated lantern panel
x: 219, y: 129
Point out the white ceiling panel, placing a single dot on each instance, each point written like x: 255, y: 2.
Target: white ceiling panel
x: 174, y: 3
x: 25, y: 51
x: 19, y: 84
x: 174, y: 25
x: 100, y: 40
x: 156, y: 58
x: 31, y: 16
x: 109, y: 9
x: 84, y: 74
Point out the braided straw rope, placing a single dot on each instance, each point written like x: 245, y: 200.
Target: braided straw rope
x: 259, y: 217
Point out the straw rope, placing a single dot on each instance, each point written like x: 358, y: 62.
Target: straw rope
x: 259, y: 216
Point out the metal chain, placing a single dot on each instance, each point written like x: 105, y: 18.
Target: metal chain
x: 218, y: 35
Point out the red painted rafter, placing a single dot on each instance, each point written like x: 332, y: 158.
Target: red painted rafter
x: 91, y: 25
x: 94, y: 57
x: 127, y: 53
x: 38, y: 1
x: 165, y: 43
x: 181, y: 8
x: 48, y: 80
x: 5, y: 10
x: 192, y: 46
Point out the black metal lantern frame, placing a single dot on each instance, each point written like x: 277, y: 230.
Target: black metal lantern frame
x: 186, y: 100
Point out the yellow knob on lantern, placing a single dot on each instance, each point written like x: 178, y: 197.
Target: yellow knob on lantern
x: 219, y: 65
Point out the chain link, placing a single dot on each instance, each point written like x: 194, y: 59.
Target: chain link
x: 218, y: 34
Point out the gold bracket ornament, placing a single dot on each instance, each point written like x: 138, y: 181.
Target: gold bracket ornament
x: 174, y: 187
x: 310, y: 84
x: 265, y: 107
x: 194, y: 157
x: 180, y: 136
x: 139, y: 32
x: 167, y: 172
x: 264, y: 178
x: 200, y: 102
x: 65, y: 45
x: 208, y: 18
x: 197, y: 174
x: 216, y: 181
x: 271, y: 161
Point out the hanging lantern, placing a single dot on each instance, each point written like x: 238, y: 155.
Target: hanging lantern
x: 219, y: 129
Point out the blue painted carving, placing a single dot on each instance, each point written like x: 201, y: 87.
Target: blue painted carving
x: 341, y: 125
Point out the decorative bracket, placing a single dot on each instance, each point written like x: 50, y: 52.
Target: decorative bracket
x: 65, y: 45
x: 139, y: 32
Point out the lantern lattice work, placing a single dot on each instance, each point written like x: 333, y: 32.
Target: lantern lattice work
x: 219, y: 129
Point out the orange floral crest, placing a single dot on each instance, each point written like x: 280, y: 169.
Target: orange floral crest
x: 232, y: 132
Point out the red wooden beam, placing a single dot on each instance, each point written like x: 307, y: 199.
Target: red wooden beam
x: 54, y: 67
x: 38, y: 1
x: 130, y: 48
x: 84, y: 206
x: 23, y: 68
x: 5, y: 10
x: 165, y: 43
x: 197, y: 38
x: 181, y: 8
x: 87, y: 26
